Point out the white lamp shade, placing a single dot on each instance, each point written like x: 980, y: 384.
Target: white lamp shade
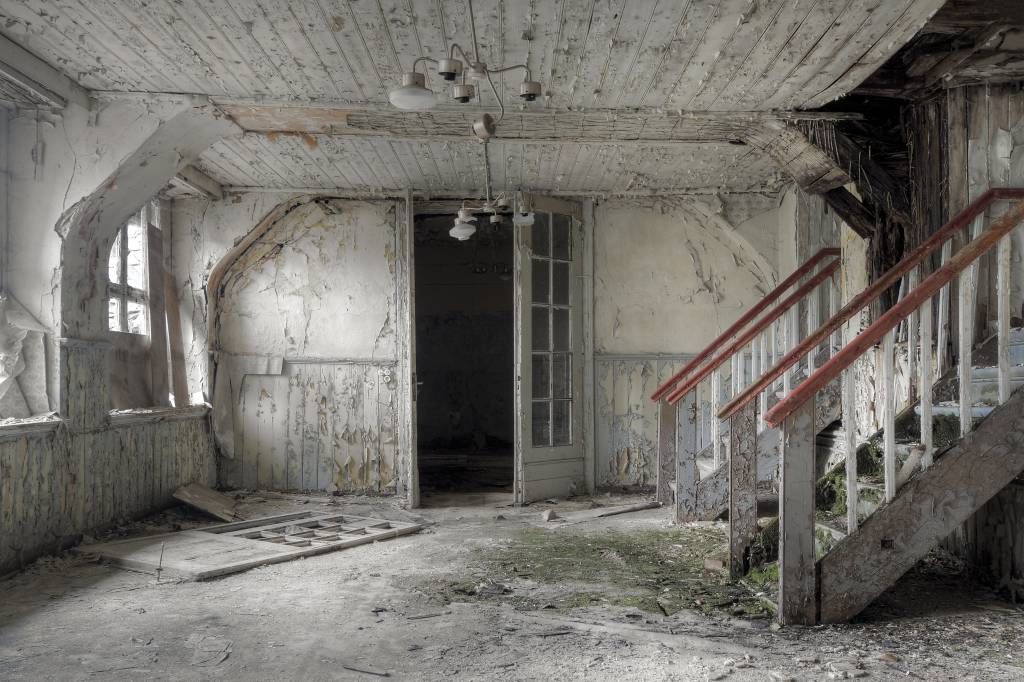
x: 412, y: 96
x: 462, y: 231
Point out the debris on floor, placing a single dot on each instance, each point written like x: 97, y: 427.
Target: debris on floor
x: 229, y: 548
x: 205, y: 499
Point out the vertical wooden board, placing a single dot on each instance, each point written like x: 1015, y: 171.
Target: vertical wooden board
x: 293, y: 434
x: 687, y: 475
x: 667, y: 439
x: 8, y: 509
x: 278, y: 431
x: 925, y: 381
x: 329, y: 403
x: 797, y: 589
x: 246, y: 454
x: 370, y: 427
x: 742, y: 487
x: 310, y: 380
x: 604, y: 393
x: 888, y: 390
x: 387, y: 429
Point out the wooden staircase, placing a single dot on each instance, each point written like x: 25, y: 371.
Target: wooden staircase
x: 776, y: 410
x: 924, y: 512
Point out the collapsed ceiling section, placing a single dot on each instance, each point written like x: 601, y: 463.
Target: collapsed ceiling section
x: 629, y: 64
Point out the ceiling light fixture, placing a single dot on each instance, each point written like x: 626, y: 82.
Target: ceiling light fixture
x: 413, y: 95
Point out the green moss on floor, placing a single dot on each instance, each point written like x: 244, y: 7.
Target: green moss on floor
x: 659, y: 571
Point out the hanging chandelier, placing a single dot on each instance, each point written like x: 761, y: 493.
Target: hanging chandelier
x: 465, y: 75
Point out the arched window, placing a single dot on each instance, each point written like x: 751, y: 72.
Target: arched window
x: 127, y: 289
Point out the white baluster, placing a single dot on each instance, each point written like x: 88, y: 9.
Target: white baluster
x: 889, y: 413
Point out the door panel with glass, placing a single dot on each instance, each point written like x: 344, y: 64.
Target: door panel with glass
x: 549, y: 455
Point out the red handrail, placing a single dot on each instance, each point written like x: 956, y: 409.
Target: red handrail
x: 667, y: 385
x: 892, y: 317
x: 912, y: 260
x: 745, y: 338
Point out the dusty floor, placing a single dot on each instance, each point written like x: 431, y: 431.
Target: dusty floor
x: 485, y: 592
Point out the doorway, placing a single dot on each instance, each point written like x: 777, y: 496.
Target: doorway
x: 465, y: 357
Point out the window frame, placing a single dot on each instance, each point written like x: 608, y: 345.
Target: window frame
x: 121, y: 291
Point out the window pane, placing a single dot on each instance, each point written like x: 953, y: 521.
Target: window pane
x: 114, y: 262
x: 136, y: 255
x: 114, y: 315
x: 541, y: 328
x: 561, y: 322
x: 137, y: 323
x: 542, y: 423
x: 541, y: 236
x: 561, y: 376
x: 541, y: 375
x: 560, y: 289
x: 541, y: 280
x: 561, y: 423
x: 561, y: 229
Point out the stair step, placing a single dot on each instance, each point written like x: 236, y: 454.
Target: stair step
x: 977, y: 411
x: 929, y: 507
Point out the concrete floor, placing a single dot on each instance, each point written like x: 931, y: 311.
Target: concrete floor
x: 368, y: 612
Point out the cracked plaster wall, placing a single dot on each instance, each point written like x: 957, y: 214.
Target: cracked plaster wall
x: 669, y: 276
x: 307, y: 340
x: 55, y: 160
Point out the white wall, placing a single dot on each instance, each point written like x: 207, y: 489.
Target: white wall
x: 305, y: 394
x: 669, y: 276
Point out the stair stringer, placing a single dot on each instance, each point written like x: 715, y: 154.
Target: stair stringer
x: 713, y: 490
x: 925, y: 511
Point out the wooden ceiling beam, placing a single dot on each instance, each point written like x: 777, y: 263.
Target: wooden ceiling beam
x: 594, y: 126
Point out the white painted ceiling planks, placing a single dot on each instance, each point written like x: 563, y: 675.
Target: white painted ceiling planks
x: 612, y: 56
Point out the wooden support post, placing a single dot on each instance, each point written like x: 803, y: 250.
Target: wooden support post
x: 687, y: 475
x: 926, y: 378
x: 965, y: 332
x: 941, y: 348
x: 913, y: 277
x: 850, y: 442
x: 667, y: 419
x: 888, y: 392
x: 798, y: 599
x: 742, y: 488
x: 1003, y: 284
x: 813, y: 313
x: 716, y: 424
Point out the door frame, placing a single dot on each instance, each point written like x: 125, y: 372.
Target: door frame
x: 582, y: 212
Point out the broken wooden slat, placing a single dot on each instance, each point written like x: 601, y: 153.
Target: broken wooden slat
x: 742, y: 488
x: 797, y: 591
x: 210, y: 501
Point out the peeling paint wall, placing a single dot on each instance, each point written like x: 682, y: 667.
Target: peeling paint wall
x: 56, y: 485
x: 308, y: 351
x: 66, y: 477
x: 669, y: 276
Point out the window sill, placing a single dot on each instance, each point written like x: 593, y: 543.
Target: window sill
x: 149, y: 415
x: 29, y: 426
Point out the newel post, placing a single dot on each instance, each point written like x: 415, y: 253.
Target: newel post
x: 798, y: 598
x: 742, y: 487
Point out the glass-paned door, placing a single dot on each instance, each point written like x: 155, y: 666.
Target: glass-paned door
x: 549, y: 455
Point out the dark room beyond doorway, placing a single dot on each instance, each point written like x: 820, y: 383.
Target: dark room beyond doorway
x: 464, y: 357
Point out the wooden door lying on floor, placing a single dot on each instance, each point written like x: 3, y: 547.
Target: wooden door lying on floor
x: 232, y: 547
